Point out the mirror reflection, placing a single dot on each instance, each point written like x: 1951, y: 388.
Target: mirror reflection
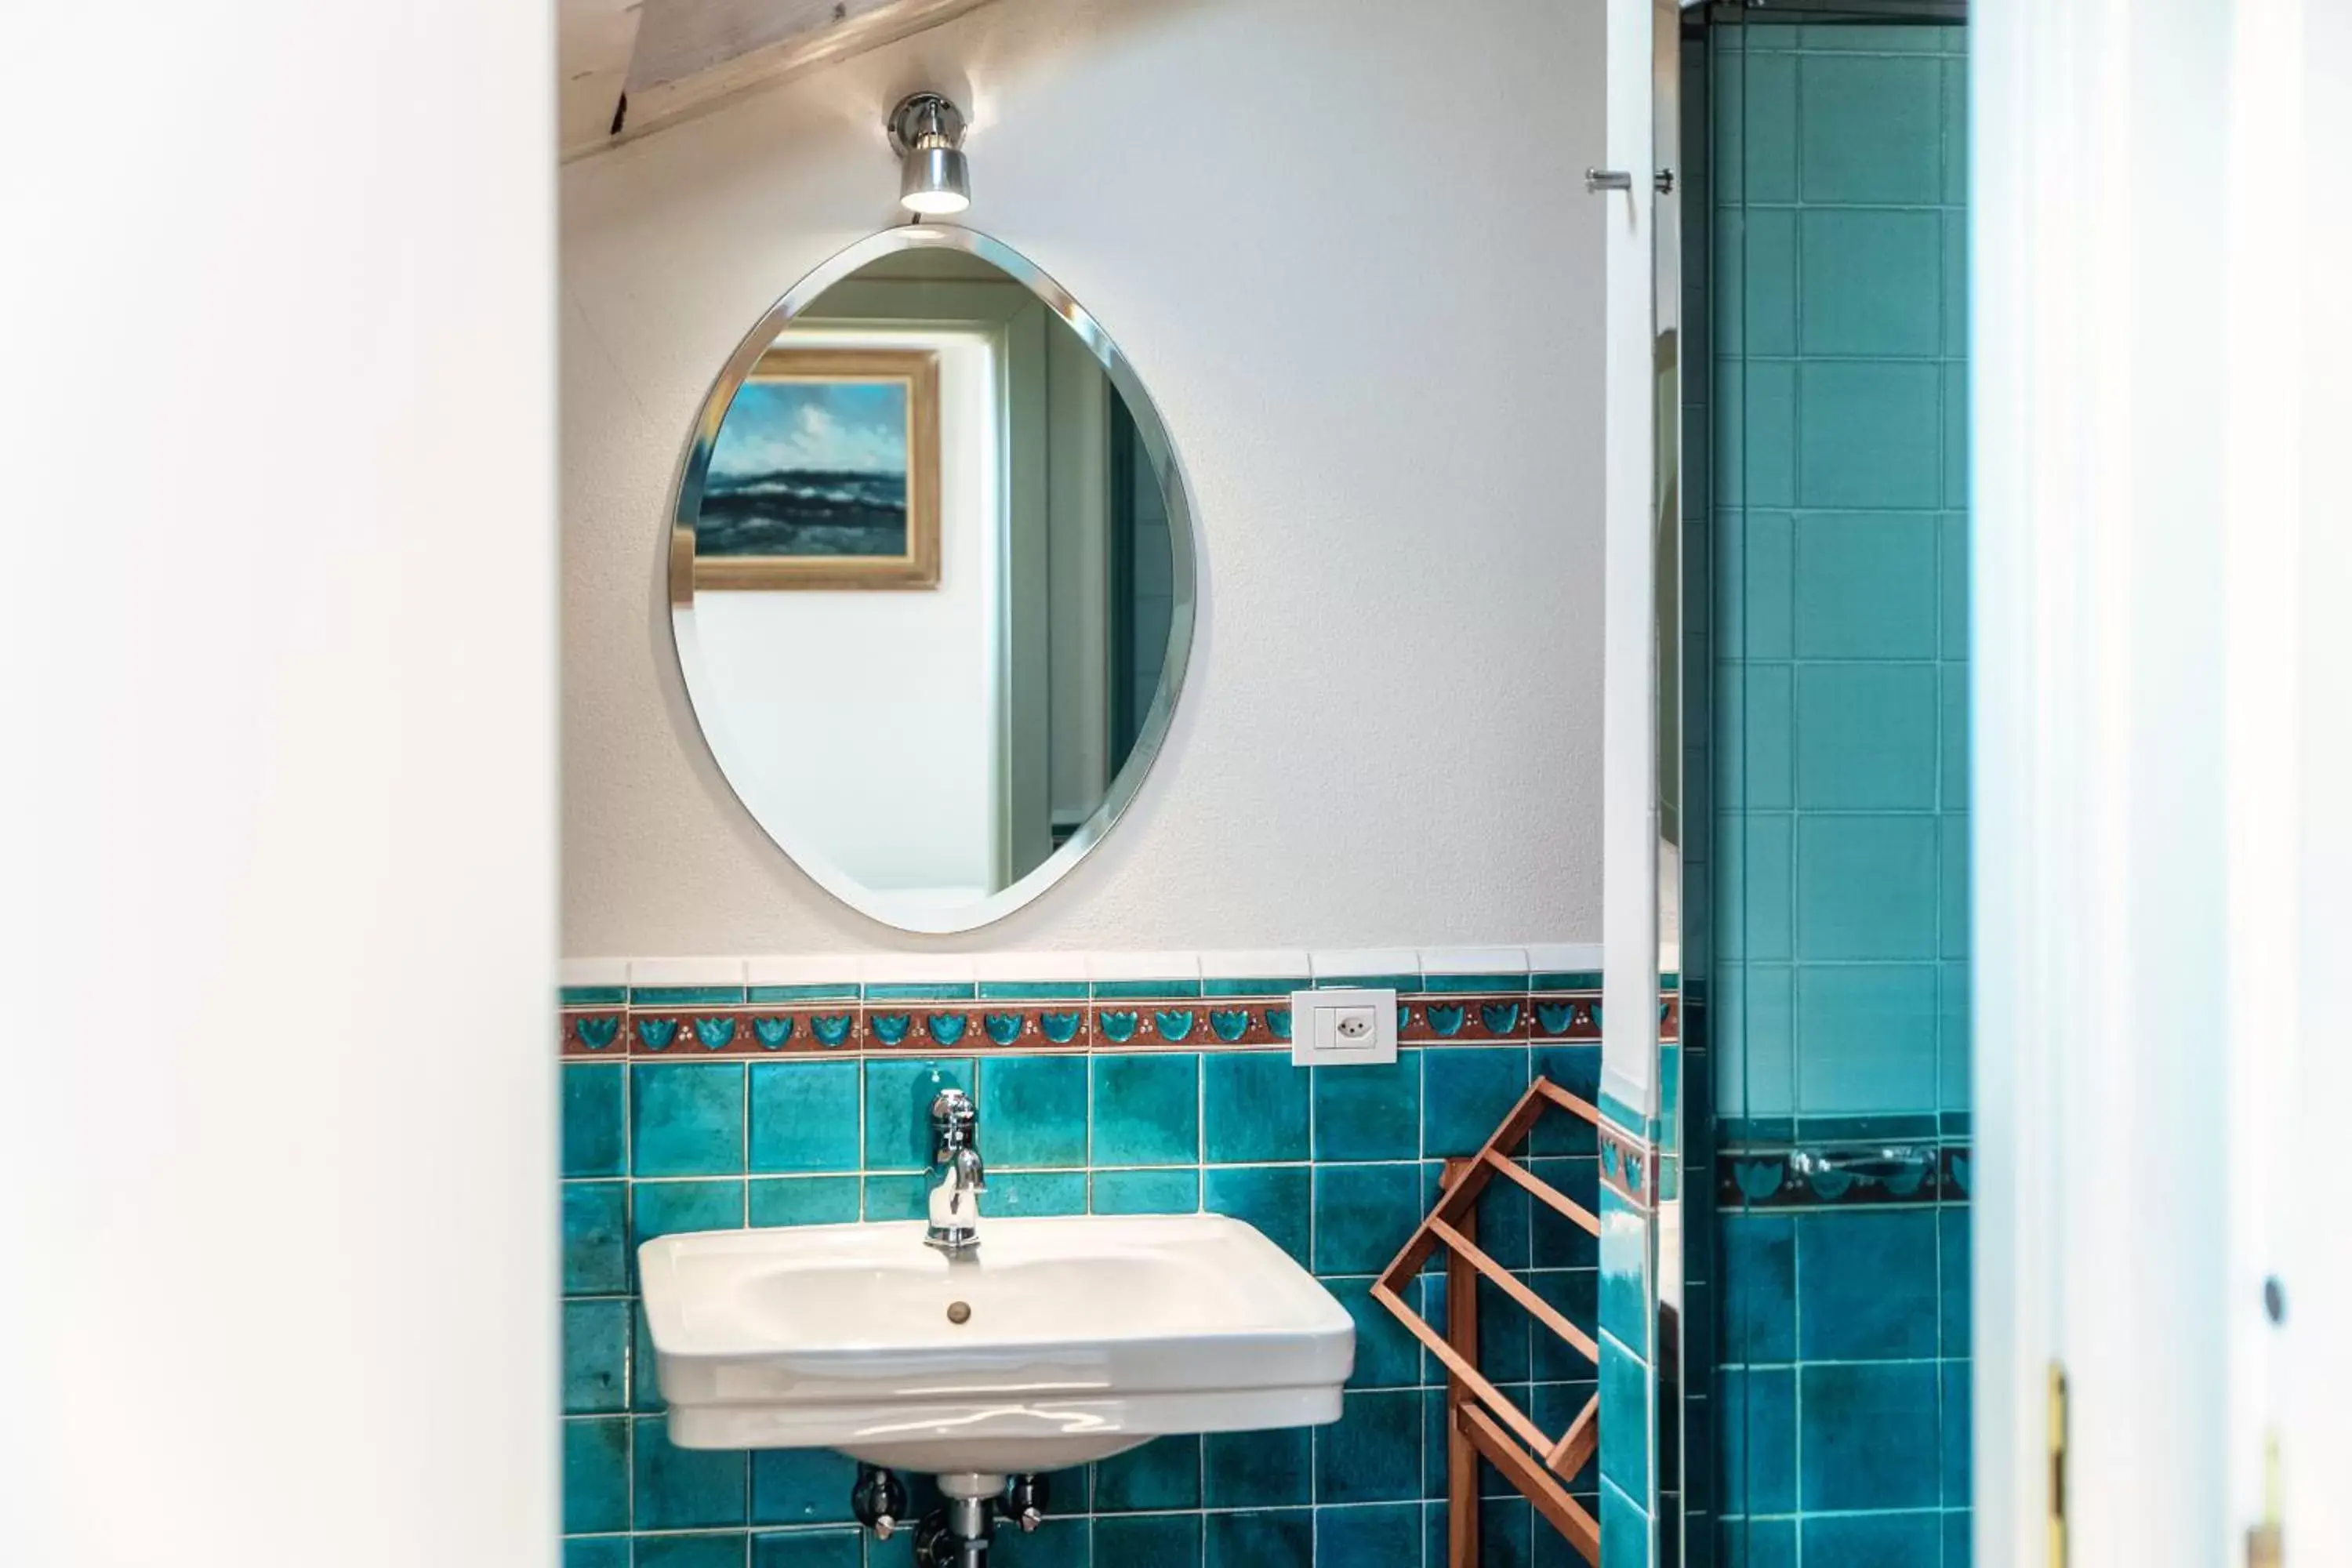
x: 931, y: 579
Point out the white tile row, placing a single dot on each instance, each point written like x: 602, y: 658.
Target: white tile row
x: 946, y: 969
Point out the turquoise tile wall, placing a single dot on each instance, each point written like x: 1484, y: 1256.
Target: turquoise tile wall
x: 1827, y: 529
x: 1335, y: 1166
x: 1838, y: 317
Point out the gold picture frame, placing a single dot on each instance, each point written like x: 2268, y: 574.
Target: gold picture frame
x: 828, y: 412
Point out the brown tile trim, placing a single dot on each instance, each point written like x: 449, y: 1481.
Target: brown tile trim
x: 1628, y: 1165
x: 1433, y: 1020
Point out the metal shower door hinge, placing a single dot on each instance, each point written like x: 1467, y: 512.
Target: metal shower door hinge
x: 1598, y: 180
x: 2057, y: 1466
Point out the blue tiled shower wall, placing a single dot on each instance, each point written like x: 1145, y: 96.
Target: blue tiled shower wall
x: 732, y: 1120
x: 1827, y: 532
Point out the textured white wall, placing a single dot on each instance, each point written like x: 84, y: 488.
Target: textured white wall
x: 1344, y: 242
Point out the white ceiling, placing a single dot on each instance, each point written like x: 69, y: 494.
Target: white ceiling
x: 673, y: 57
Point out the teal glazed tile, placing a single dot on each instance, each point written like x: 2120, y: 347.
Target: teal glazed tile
x: 670, y: 1208
x: 898, y: 1095
x: 1576, y: 1069
x: 1624, y: 1418
x: 1957, y: 1544
x: 595, y: 1475
x: 597, y: 1552
x: 1869, y: 282
x: 1257, y: 1469
x: 1954, y: 443
x: 1387, y: 1356
x: 1056, y: 1544
x: 1955, y: 1437
x: 1764, y: 628
x: 804, y: 1115
x: 1282, y: 1539
x: 1871, y: 434
x: 1952, y: 585
x: 899, y: 1197
x: 1760, y: 1288
x: 1145, y: 990
x: 595, y: 1128
x: 1624, y: 1271
x: 690, y: 1551
x: 1016, y: 1192
x: 1575, y: 1293
x: 1147, y: 1109
x: 800, y: 1486
x: 803, y: 1200
x: 1384, y: 1537
x: 1372, y: 1453
x: 1625, y: 1530
x: 1274, y: 1198
x: 1364, y: 1215
x: 685, y: 1119
x: 1503, y: 1531
x: 1766, y: 473
x: 1033, y: 1110
x: 1868, y: 1435
x: 1565, y: 980
x: 1368, y: 1112
x: 1762, y: 311
x: 1866, y: 888
x: 1871, y: 130
x: 810, y: 1549
x: 1253, y: 1107
x: 1767, y: 1543
x: 1164, y: 1473
x: 1761, y: 162
x: 1032, y: 991
x: 1952, y: 738
x: 1866, y: 1284
x: 1866, y: 737
x: 1870, y: 1541
x: 1758, y: 1422
x: 595, y: 1357
x: 595, y: 1238
x: 1867, y: 586
x: 684, y: 1489
x: 591, y: 996
x: 666, y: 996
x: 1149, y: 1540
x: 772, y: 996
x: 1555, y: 1241
x: 1466, y: 1093
x: 1514, y: 984
x: 1867, y: 1035
x: 644, y: 1369
x: 1952, y: 1281
x: 1145, y: 1192
x: 1258, y: 986
x: 1402, y: 981
x: 1767, y: 754
x: 889, y: 993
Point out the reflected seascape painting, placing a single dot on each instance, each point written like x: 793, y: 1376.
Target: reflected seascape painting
x: 824, y: 475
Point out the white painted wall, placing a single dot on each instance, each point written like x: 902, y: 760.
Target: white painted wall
x: 878, y: 714
x: 276, y: 855
x: 1378, y: 351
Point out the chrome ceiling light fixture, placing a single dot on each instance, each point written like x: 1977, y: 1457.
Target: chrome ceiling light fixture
x: 927, y: 132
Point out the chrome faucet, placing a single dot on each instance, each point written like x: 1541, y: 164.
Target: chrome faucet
x: 957, y: 1177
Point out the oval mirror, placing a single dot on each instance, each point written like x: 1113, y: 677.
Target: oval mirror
x: 931, y: 570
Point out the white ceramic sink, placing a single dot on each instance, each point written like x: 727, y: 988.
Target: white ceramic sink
x: 1085, y: 1337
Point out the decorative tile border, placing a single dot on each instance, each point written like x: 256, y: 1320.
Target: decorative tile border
x: 1627, y: 1163
x: 1857, y: 1177
x: 690, y: 1016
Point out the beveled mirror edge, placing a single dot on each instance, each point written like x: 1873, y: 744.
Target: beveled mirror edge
x: 685, y: 492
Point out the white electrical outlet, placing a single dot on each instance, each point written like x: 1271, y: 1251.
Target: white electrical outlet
x: 1343, y: 1027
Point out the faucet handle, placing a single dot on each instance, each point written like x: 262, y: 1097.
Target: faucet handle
x: 955, y: 1122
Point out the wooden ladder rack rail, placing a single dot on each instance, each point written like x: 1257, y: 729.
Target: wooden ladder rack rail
x: 1481, y: 1420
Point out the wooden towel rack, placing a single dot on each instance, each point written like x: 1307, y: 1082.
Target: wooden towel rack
x: 1480, y: 1419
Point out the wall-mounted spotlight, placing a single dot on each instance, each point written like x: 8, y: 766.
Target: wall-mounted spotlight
x: 926, y: 132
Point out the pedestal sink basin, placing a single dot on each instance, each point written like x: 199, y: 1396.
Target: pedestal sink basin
x: 1057, y: 1341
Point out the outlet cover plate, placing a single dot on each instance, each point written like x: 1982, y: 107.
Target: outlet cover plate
x: 1319, y: 1021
